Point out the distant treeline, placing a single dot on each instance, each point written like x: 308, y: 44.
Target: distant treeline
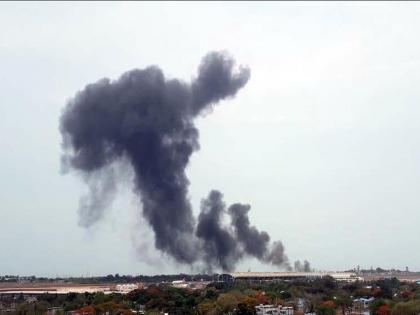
x: 112, y: 278
x: 144, y: 278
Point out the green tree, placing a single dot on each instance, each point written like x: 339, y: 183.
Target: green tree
x: 227, y: 302
x: 344, y: 301
x: 406, y: 308
x: 207, y: 307
x: 375, y: 305
x: 326, y: 308
x: 245, y: 309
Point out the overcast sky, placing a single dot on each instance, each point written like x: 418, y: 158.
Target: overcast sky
x: 323, y: 141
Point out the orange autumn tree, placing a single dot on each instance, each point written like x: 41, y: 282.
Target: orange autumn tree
x: 329, y: 304
x: 86, y: 310
x: 383, y: 310
x: 261, y: 297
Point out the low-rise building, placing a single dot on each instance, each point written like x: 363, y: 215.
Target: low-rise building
x: 363, y: 303
x: 126, y: 288
x: 269, y: 309
x: 180, y: 284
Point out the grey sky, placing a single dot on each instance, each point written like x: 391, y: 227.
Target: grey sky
x: 322, y: 141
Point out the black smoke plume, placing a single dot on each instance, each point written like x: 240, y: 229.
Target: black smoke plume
x: 147, y: 122
x: 305, y: 267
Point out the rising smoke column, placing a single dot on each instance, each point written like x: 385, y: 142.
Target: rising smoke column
x: 219, y: 245
x: 305, y: 267
x: 146, y: 121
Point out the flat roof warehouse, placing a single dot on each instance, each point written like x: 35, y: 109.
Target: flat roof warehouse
x: 267, y: 276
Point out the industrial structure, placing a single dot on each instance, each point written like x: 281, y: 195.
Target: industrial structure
x: 273, y: 276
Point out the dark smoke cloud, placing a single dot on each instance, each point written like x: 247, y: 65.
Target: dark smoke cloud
x: 254, y: 242
x: 220, y: 246
x: 276, y: 255
x: 146, y: 121
x: 305, y: 267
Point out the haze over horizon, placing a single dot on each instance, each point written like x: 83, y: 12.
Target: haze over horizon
x: 322, y: 142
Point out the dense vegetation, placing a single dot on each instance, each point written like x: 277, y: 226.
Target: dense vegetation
x: 323, y: 296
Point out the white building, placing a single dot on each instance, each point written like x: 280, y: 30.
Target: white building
x: 273, y: 310
x: 364, y: 303
x: 126, y: 288
x: 180, y: 284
